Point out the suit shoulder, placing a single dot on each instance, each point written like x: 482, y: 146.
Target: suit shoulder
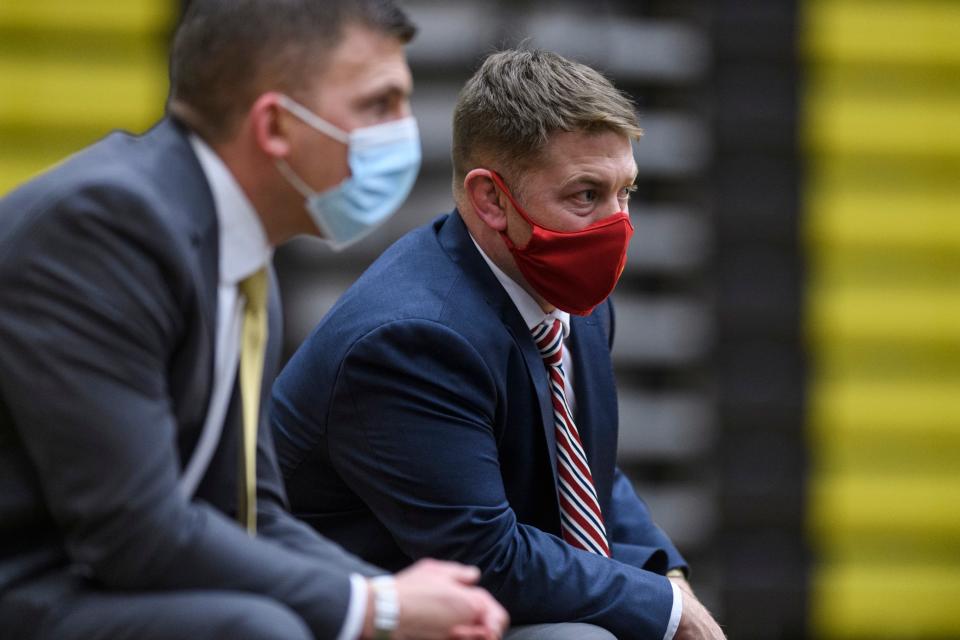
x: 413, y: 279
x: 93, y: 189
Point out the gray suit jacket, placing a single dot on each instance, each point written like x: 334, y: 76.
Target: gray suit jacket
x: 108, y: 286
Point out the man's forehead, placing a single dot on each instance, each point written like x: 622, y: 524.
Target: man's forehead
x: 364, y: 54
x: 605, y: 154
x: 363, y: 64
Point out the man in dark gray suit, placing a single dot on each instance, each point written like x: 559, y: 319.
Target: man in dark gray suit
x: 133, y: 280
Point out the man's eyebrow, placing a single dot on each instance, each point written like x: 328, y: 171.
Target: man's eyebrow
x: 592, y: 180
x: 586, y: 179
x: 391, y: 90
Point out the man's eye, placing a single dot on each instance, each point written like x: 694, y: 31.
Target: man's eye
x: 626, y: 192
x: 380, y: 106
x: 587, y: 195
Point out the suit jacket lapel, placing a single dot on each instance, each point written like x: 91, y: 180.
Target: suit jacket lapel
x: 595, y: 406
x: 191, y: 212
x: 456, y: 240
x: 538, y: 378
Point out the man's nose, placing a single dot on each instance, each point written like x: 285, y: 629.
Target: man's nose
x: 609, y: 207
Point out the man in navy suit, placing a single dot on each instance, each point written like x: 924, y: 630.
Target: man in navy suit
x: 459, y: 400
x: 137, y: 339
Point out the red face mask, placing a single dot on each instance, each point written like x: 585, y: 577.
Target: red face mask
x: 573, y: 270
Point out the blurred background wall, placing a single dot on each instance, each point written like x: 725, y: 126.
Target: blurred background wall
x: 881, y: 134
x: 788, y: 346
x: 72, y: 70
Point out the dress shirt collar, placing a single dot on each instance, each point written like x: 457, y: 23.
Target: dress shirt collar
x: 243, y: 242
x: 529, y: 309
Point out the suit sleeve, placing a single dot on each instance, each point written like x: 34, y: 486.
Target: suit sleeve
x: 275, y: 523
x: 91, y: 308
x: 411, y: 432
x: 634, y: 536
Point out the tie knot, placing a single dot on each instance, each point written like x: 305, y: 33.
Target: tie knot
x: 254, y: 289
x: 549, y: 338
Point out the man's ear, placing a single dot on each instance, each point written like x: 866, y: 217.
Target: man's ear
x: 486, y: 198
x: 271, y: 130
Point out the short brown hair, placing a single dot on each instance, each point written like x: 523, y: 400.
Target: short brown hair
x: 517, y: 98
x: 228, y: 52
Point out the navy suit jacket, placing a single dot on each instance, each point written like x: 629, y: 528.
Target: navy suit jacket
x: 108, y: 298
x: 416, y: 421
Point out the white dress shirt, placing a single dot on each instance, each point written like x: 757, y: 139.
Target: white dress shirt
x: 244, y: 250
x: 533, y: 314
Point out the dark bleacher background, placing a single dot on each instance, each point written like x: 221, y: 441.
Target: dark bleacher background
x: 789, y: 384
x: 707, y: 352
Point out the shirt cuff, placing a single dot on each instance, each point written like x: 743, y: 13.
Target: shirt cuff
x: 353, y: 622
x: 675, y: 612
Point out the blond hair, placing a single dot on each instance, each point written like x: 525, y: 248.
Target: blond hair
x: 507, y: 110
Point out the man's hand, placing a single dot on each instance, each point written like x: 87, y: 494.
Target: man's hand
x: 438, y: 601
x: 696, y: 623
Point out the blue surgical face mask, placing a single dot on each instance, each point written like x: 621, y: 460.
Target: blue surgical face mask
x: 384, y: 160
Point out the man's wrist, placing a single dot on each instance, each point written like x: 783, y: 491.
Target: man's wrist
x: 386, y: 607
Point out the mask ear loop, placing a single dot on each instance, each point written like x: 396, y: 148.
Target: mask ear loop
x: 295, y: 180
x: 503, y: 187
x: 316, y: 122
x: 313, y: 120
x: 497, y: 180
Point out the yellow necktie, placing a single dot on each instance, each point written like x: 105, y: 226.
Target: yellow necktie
x: 252, y: 351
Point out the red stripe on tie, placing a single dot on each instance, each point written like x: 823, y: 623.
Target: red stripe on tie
x: 585, y: 527
x: 578, y: 461
x: 585, y: 498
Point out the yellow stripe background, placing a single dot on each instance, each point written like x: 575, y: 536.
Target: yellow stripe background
x: 881, y: 134
x: 71, y: 71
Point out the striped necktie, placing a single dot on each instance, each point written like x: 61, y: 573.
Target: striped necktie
x: 580, y: 519
x: 252, y: 351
